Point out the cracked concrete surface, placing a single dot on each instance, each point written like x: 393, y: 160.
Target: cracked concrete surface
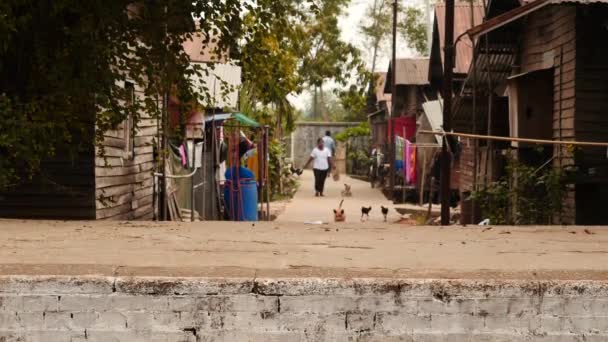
x: 277, y: 249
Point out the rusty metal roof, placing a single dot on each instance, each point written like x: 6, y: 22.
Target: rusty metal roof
x: 582, y: 2
x: 200, y: 52
x: 528, y: 6
x: 464, y: 19
x: 410, y: 71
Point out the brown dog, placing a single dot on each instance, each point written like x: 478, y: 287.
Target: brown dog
x: 339, y: 215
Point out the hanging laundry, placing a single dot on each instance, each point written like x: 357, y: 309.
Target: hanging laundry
x: 399, y: 152
x: 252, y: 162
x: 182, y: 153
x: 410, y: 163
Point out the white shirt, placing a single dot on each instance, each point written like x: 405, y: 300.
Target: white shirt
x: 321, y: 158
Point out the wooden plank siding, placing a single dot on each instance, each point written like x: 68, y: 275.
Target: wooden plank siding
x: 63, y: 190
x: 124, y: 186
x: 591, y: 115
x: 549, y: 40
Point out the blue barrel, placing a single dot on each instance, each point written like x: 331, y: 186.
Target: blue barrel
x: 243, y: 198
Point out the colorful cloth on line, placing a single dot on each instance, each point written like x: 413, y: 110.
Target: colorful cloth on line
x: 399, y: 152
x: 410, y: 163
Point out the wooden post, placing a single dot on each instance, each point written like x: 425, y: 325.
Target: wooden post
x: 391, y: 133
x: 447, y: 110
x: 423, y: 179
x: 428, y: 212
x: 405, y: 171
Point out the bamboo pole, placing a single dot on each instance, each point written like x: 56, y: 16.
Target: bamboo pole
x: 421, y: 199
x: 523, y: 140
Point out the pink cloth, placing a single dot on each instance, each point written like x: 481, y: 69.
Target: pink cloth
x: 182, y: 153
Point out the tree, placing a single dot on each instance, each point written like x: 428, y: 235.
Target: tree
x: 327, y: 56
x: 377, y: 28
x: 63, y: 64
x: 270, y: 58
x: 413, y: 28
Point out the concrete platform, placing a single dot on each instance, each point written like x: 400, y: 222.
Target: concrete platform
x: 284, y: 282
x: 283, y: 249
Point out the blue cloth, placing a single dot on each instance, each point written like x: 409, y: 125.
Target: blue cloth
x: 330, y: 144
x: 243, y: 173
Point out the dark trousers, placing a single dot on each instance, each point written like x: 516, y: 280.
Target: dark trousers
x: 320, y: 176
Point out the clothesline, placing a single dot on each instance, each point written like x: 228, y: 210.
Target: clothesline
x: 513, y: 139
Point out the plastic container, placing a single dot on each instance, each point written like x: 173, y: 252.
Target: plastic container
x: 241, y: 198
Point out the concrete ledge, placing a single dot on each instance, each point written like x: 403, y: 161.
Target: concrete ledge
x: 177, y: 309
x: 440, y: 289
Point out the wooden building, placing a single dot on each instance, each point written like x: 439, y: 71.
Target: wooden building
x: 115, y: 179
x: 412, y: 83
x: 547, y: 59
x: 377, y: 119
x: 89, y: 186
x: 467, y: 14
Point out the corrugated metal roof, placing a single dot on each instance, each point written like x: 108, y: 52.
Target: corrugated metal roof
x: 412, y: 71
x: 433, y: 110
x: 582, y: 2
x: 464, y: 19
x: 231, y: 74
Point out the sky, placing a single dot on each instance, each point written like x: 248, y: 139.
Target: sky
x: 349, y: 24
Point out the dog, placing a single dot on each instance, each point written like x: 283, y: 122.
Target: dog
x: 346, y: 192
x: 339, y: 215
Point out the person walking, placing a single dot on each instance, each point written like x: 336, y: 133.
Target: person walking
x: 321, y: 156
x: 329, y: 143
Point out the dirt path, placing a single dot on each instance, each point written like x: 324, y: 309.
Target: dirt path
x: 306, y: 207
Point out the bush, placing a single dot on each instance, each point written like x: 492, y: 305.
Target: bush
x: 279, y: 171
x: 526, y: 195
x: 358, y: 131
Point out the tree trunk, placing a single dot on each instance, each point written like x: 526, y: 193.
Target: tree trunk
x: 315, y: 114
x: 323, y: 111
x: 376, y: 44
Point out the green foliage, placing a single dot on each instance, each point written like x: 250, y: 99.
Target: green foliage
x: 359, y: 160
x: 526, y: 195
x: 325, y: 55
x: 271, y: 57
x: 279, y: 172
x: 63, y: 65
x: 359, y: 131
x: 378, y: 25
x: 413, y: 28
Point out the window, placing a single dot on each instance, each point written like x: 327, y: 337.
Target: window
x: 129, y: 150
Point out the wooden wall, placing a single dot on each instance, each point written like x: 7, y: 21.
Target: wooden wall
x: 591, y: 119
x: 124, y: 186
x: 549, y: 41
x: 547, y: 35
x: 63, y: 190
x: 591, y: 123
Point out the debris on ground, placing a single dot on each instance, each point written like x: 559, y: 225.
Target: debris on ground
x: 486, y: 229
x: 505, y: 232
x: 587, y: 231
